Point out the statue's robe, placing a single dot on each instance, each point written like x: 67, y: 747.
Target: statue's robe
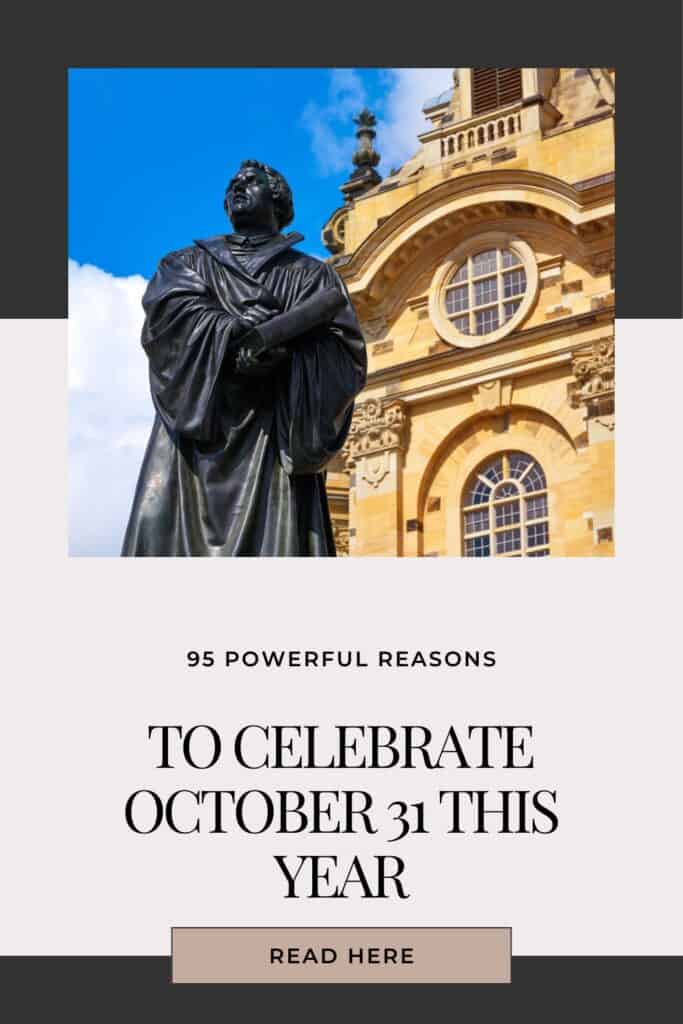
x: 235, y: 464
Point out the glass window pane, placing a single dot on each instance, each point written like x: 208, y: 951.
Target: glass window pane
x: 536, y: 534
x: 457, y: 299
x: 486, y: 321
x: 461, y: 274
x: 507, y: 490
x: 507, y: 514
x: 514, y: 283
x: 537, y: 508
x: 462, y: 324
x: 538, y: 554
x: 484, y: 262
x: 510, y: 258
x: 479, y: 494
x: 509, y: 540
x: 477, y: 521
x: 494, y: 471
x: 534, y: 480
x: 478, y: 547
x: 510, y: 308
x: 518, y: 463
x: 486, y: 291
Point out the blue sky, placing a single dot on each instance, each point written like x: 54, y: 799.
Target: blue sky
x: 150, y: 153
x: 151, y: 150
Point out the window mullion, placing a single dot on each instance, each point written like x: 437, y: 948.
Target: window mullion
x: 470, y: 294
x: 501, y: 314
x: 491, y: 515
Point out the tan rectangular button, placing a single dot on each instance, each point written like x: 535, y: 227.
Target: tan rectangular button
x: 263, y: 955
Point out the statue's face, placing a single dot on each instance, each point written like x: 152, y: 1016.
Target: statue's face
x: 249, y: 199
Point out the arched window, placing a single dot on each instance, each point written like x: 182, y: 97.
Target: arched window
x: 505, y: 509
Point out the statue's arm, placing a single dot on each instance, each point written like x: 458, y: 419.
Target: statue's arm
x: 328, y: 369
x: 186, y: 336
x: 322, y: 305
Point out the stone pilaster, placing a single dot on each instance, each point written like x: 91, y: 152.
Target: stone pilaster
x: 373, y: 456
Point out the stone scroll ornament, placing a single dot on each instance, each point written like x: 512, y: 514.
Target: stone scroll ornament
x: 594, y: 378
x: 379, y: 427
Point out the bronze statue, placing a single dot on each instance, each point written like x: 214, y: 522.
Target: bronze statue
x: 255, y: 358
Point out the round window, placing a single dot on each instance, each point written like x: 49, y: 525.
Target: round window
x: 484, y: 290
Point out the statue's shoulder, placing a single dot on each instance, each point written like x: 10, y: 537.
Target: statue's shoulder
x: 187, y: 256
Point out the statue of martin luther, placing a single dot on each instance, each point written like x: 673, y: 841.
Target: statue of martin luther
x: 255, y: 358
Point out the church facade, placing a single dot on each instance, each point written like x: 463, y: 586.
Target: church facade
x: 482, y: 272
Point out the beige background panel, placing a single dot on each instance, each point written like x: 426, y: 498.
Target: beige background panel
x: 94, y: 652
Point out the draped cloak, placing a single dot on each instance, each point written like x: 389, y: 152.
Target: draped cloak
x: 235, y: 463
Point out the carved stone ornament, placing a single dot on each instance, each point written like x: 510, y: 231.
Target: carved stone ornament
x: 593, y: 369
x: 492, y: 395
x: 375, y: 328
x: 602, y: 262
x: 379, y: 426
x: 340, y: 530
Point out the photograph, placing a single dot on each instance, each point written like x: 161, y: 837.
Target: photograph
x: 341, y: 312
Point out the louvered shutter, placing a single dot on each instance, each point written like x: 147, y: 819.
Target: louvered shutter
x: 495, y: 87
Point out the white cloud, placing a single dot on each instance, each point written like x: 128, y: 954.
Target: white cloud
x: 398, y: 110
x: 110, y: 411
x: 402, y: 119
x: 329, y: 124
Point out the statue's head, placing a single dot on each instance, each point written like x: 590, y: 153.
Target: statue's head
x: 258, y: 196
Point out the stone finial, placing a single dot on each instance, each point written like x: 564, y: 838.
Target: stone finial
x: 365, y: 155
x: 365, y: 158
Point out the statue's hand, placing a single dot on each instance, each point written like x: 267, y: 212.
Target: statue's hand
x: 252, y: 361
x: 252, y: 315
x: 242, y: 325
x: 256, y: 312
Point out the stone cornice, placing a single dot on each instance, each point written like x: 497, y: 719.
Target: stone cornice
x: 549, y: 190
x: 460, y: 357
x: 564, y: 357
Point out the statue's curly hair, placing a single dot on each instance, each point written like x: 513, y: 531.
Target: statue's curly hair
x: 279, y: 190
